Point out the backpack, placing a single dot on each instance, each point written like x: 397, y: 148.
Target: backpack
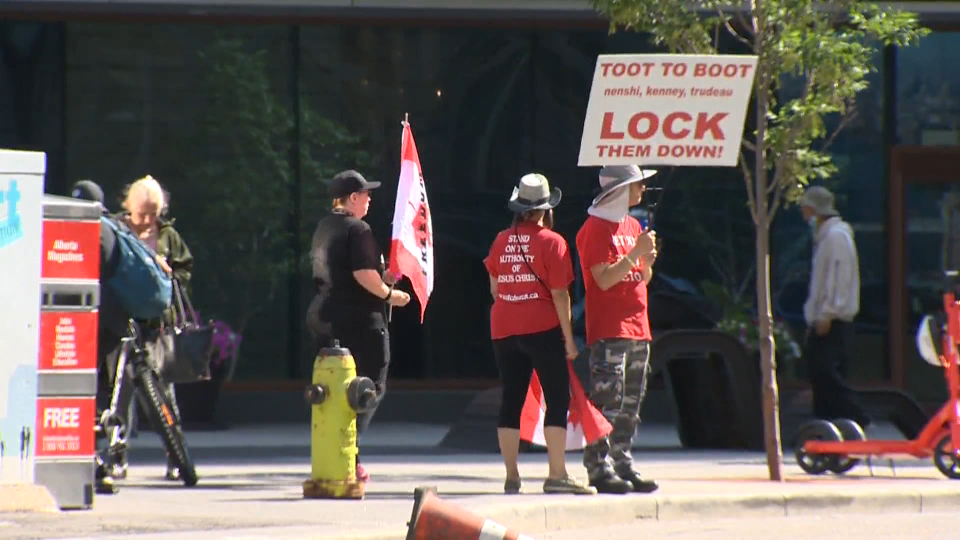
x: 139, y: 283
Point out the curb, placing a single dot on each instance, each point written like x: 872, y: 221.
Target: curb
x: 541, y: 516
x: 26, y: 498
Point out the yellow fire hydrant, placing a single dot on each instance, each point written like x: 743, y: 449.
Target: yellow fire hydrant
x: 337, y: 395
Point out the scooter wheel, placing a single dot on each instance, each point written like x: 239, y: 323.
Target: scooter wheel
x: 850, y: 431
x: 817, y: 430
x: 945, y: 458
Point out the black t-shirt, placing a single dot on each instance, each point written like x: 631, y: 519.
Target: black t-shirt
x: 341, y: 245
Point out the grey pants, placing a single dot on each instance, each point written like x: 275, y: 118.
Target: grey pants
x: 618, y: 382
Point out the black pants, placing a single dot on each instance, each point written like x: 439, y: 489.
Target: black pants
x: 370, y: 348
x: 827, y: 358
x: 517, y: 357
x: 108, y: 353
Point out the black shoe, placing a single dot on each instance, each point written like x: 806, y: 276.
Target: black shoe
x: 103, y: 484
x: 611, y: 484
x: 638, y: 484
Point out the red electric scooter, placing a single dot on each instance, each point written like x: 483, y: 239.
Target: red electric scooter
x: 839, y: 446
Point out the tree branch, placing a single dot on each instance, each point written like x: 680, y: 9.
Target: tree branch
x: 731, y: 30
x: 845, y: 120
x: 749, y: 145
x: 741, y: 290
x: 718, y: 267
x: 776, y: 179
x: 775, y: 200
x: 739, y: 15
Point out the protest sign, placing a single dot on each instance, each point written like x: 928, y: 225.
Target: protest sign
x: 663, y: 109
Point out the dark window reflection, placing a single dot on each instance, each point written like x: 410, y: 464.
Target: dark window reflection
x: 928, y: 106
x: 860, y: 187
x: 31, y: 92
x: 211, y: 112
x: 207, y: 111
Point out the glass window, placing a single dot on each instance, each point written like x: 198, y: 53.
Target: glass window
x: 928, y: 107
x: 860, y: 189
x: 211, y: 111
x: 31, y: 92
x: 207, y: 111
x: 469, y: 96
x: 931, y: 225
x: 486, y: 106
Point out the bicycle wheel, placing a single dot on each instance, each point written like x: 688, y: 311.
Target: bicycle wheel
x: 164, y: 420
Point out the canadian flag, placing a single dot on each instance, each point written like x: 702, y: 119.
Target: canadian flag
x: 585, y: 424
x: 411, y: 250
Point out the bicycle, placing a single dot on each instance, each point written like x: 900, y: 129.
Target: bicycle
x: 134, y: 366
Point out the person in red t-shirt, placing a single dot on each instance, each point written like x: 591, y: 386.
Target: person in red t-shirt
x: 616, y: 259
x: 530, y: 275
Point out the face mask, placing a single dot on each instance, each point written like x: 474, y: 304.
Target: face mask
x: 812, y: 222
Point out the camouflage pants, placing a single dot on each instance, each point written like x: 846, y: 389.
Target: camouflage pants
x: 618, y: 381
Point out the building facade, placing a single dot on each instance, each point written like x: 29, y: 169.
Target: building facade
x: 242, y: 109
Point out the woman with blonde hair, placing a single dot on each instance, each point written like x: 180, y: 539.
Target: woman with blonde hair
x: 145, y: 204
x: 145, y: 207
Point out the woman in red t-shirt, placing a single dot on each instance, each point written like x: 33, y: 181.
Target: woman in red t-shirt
x: 530, y: 275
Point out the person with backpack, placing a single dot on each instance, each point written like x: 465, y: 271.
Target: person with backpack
x: 111, y: 320
x: 145, y: 207
x: 130, y: 288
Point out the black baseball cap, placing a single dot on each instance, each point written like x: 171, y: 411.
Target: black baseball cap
x: 87, y: 190
x: 349, y: 182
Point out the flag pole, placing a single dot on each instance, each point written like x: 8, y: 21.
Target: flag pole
x: 406, y: 118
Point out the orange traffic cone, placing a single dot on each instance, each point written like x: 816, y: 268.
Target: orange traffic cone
x: 436, y: 519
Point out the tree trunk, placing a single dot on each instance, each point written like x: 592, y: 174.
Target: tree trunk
x: 768, y: 362
x: 771, y: 398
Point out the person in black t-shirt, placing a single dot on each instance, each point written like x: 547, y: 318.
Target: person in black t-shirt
x: 111, y: 321
x: 353, y: 290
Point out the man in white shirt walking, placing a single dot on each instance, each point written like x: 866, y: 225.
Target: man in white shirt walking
x: 832, y: 303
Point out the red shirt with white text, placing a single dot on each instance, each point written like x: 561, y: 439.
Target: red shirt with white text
x: 621, y: 310
x: 524, y: 305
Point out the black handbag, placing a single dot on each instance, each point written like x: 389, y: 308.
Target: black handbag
x: 186, y: 345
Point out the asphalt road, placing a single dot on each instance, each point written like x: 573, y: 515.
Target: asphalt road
x: 846, y: 527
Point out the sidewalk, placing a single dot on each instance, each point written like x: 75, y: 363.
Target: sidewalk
x: 260, y: 497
